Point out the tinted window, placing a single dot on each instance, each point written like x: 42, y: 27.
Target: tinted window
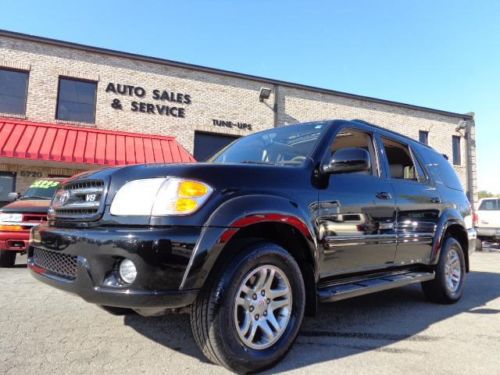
x: 490, y: 205
x: 207, y: 144
x: 13, y: 87
x: 423, y: 137
x: 401, y: 165
x: 76, y: 100
x: 457, y: 157
x: 440, y: 168
x: 287, y: 145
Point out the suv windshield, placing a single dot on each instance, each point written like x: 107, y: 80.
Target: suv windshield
x: 41, y: 189
x: 288, y: 145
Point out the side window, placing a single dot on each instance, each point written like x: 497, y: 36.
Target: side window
x: 348, y: 137
x: 440, y: 168
x: 401, y: 165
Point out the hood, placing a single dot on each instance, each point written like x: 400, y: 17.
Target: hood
x: 28, y: 205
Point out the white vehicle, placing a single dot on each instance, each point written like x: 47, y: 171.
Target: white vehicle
x: 488, y: 220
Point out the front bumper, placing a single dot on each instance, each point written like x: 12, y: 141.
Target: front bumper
x: 472, y: 237
x: 88, y: 260
x: 14, y: 241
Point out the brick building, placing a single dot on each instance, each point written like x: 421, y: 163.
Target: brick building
x: 77, y: 92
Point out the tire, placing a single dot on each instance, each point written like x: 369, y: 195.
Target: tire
x: 215, y: 315
x: 479, y: 245
x: 441, y: 289
x: 7, y: 258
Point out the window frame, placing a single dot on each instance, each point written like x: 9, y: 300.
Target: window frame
x: 59, y: 95
x: 457, y: 157
x: 26, y: 89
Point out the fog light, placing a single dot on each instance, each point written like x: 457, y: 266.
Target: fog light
x: 127, y: 271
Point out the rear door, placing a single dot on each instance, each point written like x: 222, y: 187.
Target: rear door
x: 418, y: 202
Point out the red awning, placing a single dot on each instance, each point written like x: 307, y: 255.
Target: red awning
x: 72, y: 144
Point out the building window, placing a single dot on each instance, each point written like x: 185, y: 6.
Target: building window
x: 457, y: 157
x: 423, y: 137
x: 76, y: 100
x: 13, y: 89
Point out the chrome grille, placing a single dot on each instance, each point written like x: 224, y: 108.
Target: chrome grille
x: 79, y: 201
x: 61, y: 264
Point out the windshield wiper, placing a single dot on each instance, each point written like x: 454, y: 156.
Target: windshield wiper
x: 256, y: 162
x: 35, y: 197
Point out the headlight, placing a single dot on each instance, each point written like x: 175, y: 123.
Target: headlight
x: 160, y: 197
x: 11, y: 218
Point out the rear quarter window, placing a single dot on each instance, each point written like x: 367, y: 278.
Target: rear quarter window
x: 440, y: 169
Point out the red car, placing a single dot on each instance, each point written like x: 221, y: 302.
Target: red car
x: 17, y: 218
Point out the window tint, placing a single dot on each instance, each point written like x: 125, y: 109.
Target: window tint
x: 440, y: 169
x: 490, y: 205
x: 13, y: 88
x: 457, y: 157
x: 423, y: 136
x: 347, y: 138
x: 401, y: 164
x: 76, y: 100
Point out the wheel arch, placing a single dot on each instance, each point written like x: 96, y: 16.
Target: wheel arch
x: 451, y: 224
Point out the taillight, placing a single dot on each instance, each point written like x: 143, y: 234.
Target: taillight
x: 475, y: 218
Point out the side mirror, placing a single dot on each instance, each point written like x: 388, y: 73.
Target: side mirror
x: 11, y: 197
x: 349, y: 159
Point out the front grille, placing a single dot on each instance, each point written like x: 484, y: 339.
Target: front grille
x: 79, y: 201
x: 61, y: 264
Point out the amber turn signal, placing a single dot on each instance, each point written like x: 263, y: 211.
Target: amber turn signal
x: 185, y: 205
x: 11, y: 228
x: 188, y: 189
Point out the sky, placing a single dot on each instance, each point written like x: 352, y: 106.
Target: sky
x: 439, y: 54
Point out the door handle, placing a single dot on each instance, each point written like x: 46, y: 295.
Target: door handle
x: 384, y: 195
x: 435, y: 200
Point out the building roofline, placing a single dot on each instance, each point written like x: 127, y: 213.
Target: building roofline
x: 157, y: 60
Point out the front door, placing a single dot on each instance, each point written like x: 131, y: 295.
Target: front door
x: 7, y: 185
x: 356, y: 214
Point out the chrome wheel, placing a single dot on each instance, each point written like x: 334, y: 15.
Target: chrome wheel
x: 263, y: 306
x: 453, y: 271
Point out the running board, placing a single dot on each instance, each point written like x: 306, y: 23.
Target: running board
x: 361, y: 287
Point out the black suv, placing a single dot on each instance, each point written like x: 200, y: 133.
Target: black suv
x: 252, y: 240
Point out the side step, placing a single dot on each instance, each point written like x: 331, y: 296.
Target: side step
x: 358, y: 288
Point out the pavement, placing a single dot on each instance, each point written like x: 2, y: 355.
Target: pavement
x: 46, y: 331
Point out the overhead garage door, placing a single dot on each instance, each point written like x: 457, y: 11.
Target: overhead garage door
x: 207, y: 144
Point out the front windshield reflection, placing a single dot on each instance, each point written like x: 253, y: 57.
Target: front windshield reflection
x: 287, y: 145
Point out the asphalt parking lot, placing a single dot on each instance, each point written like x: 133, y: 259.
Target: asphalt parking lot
x: 46, y: 331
